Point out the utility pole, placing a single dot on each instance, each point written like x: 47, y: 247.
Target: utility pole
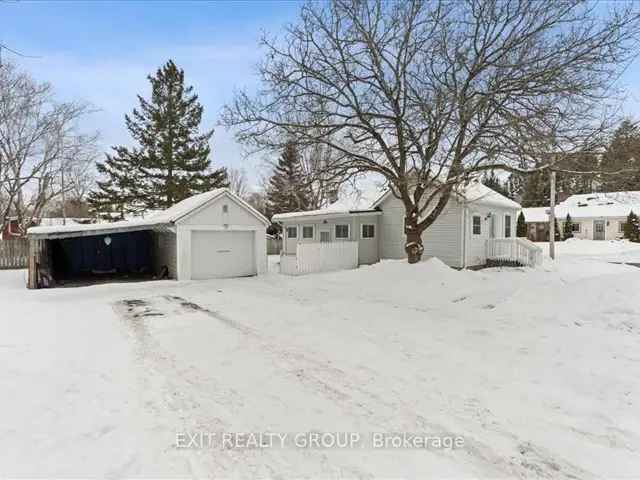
x: 552, y: 217
x: 62, y: 185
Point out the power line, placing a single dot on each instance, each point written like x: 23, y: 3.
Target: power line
x: 15, y: 52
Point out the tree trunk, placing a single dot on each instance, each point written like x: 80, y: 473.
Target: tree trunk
x: 413, y: 247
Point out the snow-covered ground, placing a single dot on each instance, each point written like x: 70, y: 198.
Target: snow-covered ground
x: 536, y: 370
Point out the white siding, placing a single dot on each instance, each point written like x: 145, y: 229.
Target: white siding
x: 611, y: 229
x: 476, y: 244
x: 443, y: 239
x: 368, y: 249
x: 214, y: 217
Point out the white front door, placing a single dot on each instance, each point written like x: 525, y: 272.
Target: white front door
x: 598, y: 229
x: 219, y: 254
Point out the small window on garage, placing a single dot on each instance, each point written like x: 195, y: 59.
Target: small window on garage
x: 575, y: 227
x: 342, y: 231
x: 368, y: 231
x: 307, y: 231
x: 225, y: 208
x: 477, y: 221
x: 292, y: 232
x: 621, y: 227
x: 507, y: 226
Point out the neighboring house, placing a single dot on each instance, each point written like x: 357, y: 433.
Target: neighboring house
x: 594, y: 216
x: 210, y: 235
x: 11, y: 230
x: 458, y: 237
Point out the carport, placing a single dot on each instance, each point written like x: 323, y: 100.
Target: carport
x: 101, y: 252
x: 211, y: 235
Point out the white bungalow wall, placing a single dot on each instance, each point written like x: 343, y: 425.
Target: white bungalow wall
x: 476, y: 244
x: 611, y: 229
x: 368, y: 248
x: 443, y: 239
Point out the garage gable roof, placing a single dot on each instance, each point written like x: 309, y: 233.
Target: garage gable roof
x: 192, y: 205
x: 159, y: 220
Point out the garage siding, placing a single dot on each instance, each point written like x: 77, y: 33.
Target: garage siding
x: 165, y: 253
x: 225, y: 214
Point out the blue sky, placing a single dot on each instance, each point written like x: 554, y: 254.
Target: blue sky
x: 102, y: 51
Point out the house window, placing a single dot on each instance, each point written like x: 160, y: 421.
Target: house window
x: 325, y: 236
x: 225, y: 208
x: 292, y: 232
x: 575, y: 227
x: 477, y: 230
x: 307, y: 231
x: 342, y: 231
x: 621, y: 227
x: 368, y: 231
x: 507, y: 226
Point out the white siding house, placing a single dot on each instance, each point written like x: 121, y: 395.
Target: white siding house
x: 458, y: 237
x: 594, y: 216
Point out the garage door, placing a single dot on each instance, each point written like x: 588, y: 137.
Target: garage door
x: 222, y: 254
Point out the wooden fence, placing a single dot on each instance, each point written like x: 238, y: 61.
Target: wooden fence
x: 14, y: 253
x: 320, y: 257
x: 274, y: 245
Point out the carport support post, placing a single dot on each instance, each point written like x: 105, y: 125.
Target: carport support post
x: 552, y: 217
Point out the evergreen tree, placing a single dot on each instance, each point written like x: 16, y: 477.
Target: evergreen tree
x: 119, y: 193
x: 536, y: 190
x: 567, y: 228
x: 171, y: 161
x: 623, y: 153
x: 288, y: 190
x: 492, y: 181
x: 632, y: 227
x: 521, y: 226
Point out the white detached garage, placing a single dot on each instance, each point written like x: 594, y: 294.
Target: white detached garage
x: 222, y: 236
x: 214, y: 234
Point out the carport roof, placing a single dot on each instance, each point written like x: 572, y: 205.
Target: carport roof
x: 159, y: 221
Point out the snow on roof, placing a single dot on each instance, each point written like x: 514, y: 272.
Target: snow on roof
x: 536, y: 214
x: 170, y: 215
x: 478, y: 192
x: 53, y: 221
x: 603, y: 199
x: 354, y: 197
x: 588, y: 205
x: 186, y: 206
x: 369, y: 197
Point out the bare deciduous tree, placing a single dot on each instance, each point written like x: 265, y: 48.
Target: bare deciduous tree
x: 238, y: 183
x: 39, y: 145
x: 431, y: 94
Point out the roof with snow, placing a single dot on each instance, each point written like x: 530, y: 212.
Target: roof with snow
x: 356, y: 198
x: 589, y: 205
x: 160, y: 219
x: 368, y: 199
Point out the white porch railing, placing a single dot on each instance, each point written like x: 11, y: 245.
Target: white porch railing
x: 518, y: 250
x: 320, y: 257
